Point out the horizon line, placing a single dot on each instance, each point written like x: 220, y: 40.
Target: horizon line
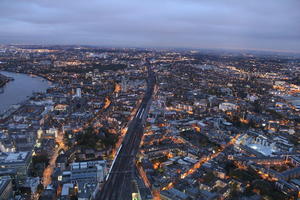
x: 162, y: 48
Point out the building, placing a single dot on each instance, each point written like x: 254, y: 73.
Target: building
x: 295, y: 160
x: 86, y: 191
x: 67, y: 191
x: 291, y: 173
x: 48, y: 194
x: 173, y: 194
x: 6, y: 190
x: 78, y: 92
x: 227, y: 106
x: 85, y: 177
x: 18, y: 161
x: 91, y: 170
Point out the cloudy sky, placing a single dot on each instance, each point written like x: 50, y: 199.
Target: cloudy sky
x: 245, y: 24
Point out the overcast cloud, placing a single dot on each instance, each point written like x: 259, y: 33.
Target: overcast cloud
x: 254, y: 24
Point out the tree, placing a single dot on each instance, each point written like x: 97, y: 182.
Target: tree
x: 42, y: 158
x: 40, y: 188
x: 234, y: 192
x: 257, y: 106
x: 208, y: 177
x: 89, y: 138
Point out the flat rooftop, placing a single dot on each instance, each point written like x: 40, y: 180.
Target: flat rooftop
x: 13, y: 157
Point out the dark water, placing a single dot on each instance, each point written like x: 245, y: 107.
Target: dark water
x: 20, y: 89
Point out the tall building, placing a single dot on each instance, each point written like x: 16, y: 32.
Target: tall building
x: 124, y: 84
x: 78, y: 92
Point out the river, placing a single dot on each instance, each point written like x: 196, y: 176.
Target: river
x: 20, y: 89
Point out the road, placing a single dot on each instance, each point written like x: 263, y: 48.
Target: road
x: 47, y: 174
x: 119, y: 180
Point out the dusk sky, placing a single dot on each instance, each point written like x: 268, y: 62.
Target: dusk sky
x: 254, y: 24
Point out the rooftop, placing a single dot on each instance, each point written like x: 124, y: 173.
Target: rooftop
x: 13, y: 157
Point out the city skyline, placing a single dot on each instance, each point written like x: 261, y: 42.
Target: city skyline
x: 148, y: 124
x: 251, y: 25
